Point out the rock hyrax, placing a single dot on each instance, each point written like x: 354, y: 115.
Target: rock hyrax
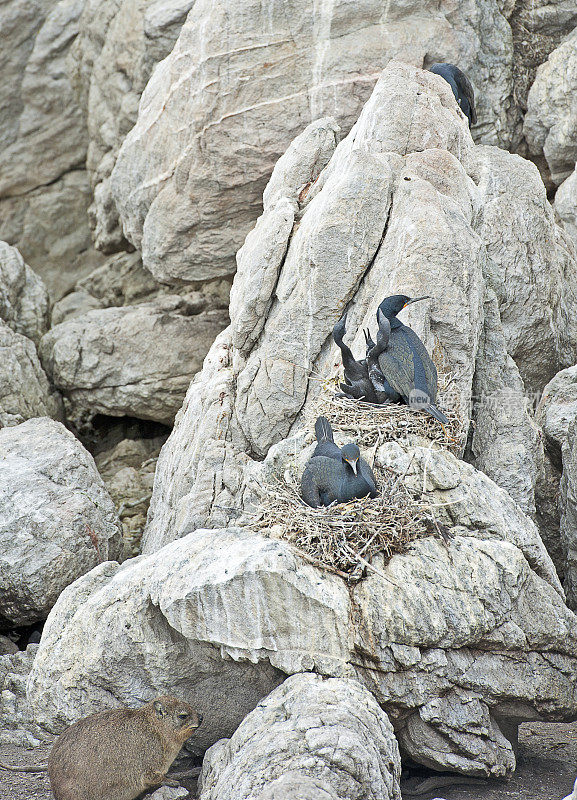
x: 117, y: 754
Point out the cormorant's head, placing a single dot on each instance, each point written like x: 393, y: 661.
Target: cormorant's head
x: 396, y: 302
x: 351, y: 454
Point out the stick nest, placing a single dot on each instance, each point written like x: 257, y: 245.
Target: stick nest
x: 369, y: 425
x: 343, y: 538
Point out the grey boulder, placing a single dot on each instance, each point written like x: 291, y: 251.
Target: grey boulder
x: 557, y: 489
x: 23, y: 296
x: 311, y: 730
x: 550, y: 123
x: 451, y: 639
x: 25, y: 390
x: 133, y: 360
x: 56, y: 519
x: 118, y: 45
x: 44, y: 190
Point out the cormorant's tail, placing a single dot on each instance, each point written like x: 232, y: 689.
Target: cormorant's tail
x: 323, y: 430
x: 436, y: 413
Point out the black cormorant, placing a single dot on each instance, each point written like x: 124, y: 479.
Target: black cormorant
x: 399, y: 364
x: 328, y: 479
x: 357, y: 384
x: 461, y: 86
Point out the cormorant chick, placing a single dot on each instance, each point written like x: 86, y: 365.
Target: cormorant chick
x: 358, y: 384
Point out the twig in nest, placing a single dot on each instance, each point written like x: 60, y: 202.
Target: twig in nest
x: 343, y: 537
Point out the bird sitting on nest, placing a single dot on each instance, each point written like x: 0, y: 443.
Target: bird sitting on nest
x: 399, y: 366
x: 335, y: 474
x: 461, y: 86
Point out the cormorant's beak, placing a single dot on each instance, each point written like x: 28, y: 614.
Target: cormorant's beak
x: 416, y: 300
x: 353, y: 464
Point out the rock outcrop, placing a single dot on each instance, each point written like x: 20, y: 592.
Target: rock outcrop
x: 329, y: 731
x: 118, y: 45
x: 400, y: 207
x: 556, y: 490
x: 56, y: 518
x: 189, y: 193
x: 568, y: 509
x: 566, y: 205
x: 44, y: 192
x: 23, y: 296
x: 132, y: 360
x: 17, y: 725
x: 550, y: 125
x: 25, y: 390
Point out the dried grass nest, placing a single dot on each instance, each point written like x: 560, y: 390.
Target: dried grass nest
x: 343, y: 538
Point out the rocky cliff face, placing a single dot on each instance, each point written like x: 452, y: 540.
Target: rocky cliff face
x: 145, y: 145
x: 407, y: 203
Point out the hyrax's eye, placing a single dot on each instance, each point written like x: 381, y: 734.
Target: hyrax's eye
x: 183, y: 715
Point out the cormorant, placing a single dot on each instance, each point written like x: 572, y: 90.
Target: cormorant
x: 399, y: 364
x: 327, y: 478
x: 461, y: 86
x: 357, y: 384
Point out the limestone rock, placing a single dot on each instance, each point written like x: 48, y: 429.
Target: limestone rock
x: 49, y: 226
x: 329, y: 731
x: 23, y: 296
x: 17, y: 724
x: 502, y: 414
x: 167, y: 793
x: 118, y: 45
x: 56, y: 520
x: 181, y: 186
x: 487, y: 624
x: 557, y: 414
x: 25, y: 390
x: 42, y: 129
x: 568, y: 509
x: 128, y: 473
x: 44, y: 192
x: 558, y: 407
x: 393, y: 197
x: 291, y: 785
x: 123, y: 281
x: 133, y: 360
x: 551, y: 121
x: 75, y: 304
x: 566, y: 204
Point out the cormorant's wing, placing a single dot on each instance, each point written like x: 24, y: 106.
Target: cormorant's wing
x: 407, y: 365
x: 469, y: 93
x: 366, y: 473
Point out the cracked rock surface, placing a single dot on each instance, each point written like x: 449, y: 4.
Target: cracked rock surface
x: 329, y: 735
x: 133, y: 360
x: 404, y: 202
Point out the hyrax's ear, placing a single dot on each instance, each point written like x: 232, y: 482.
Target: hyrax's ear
x: 159, y: 708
